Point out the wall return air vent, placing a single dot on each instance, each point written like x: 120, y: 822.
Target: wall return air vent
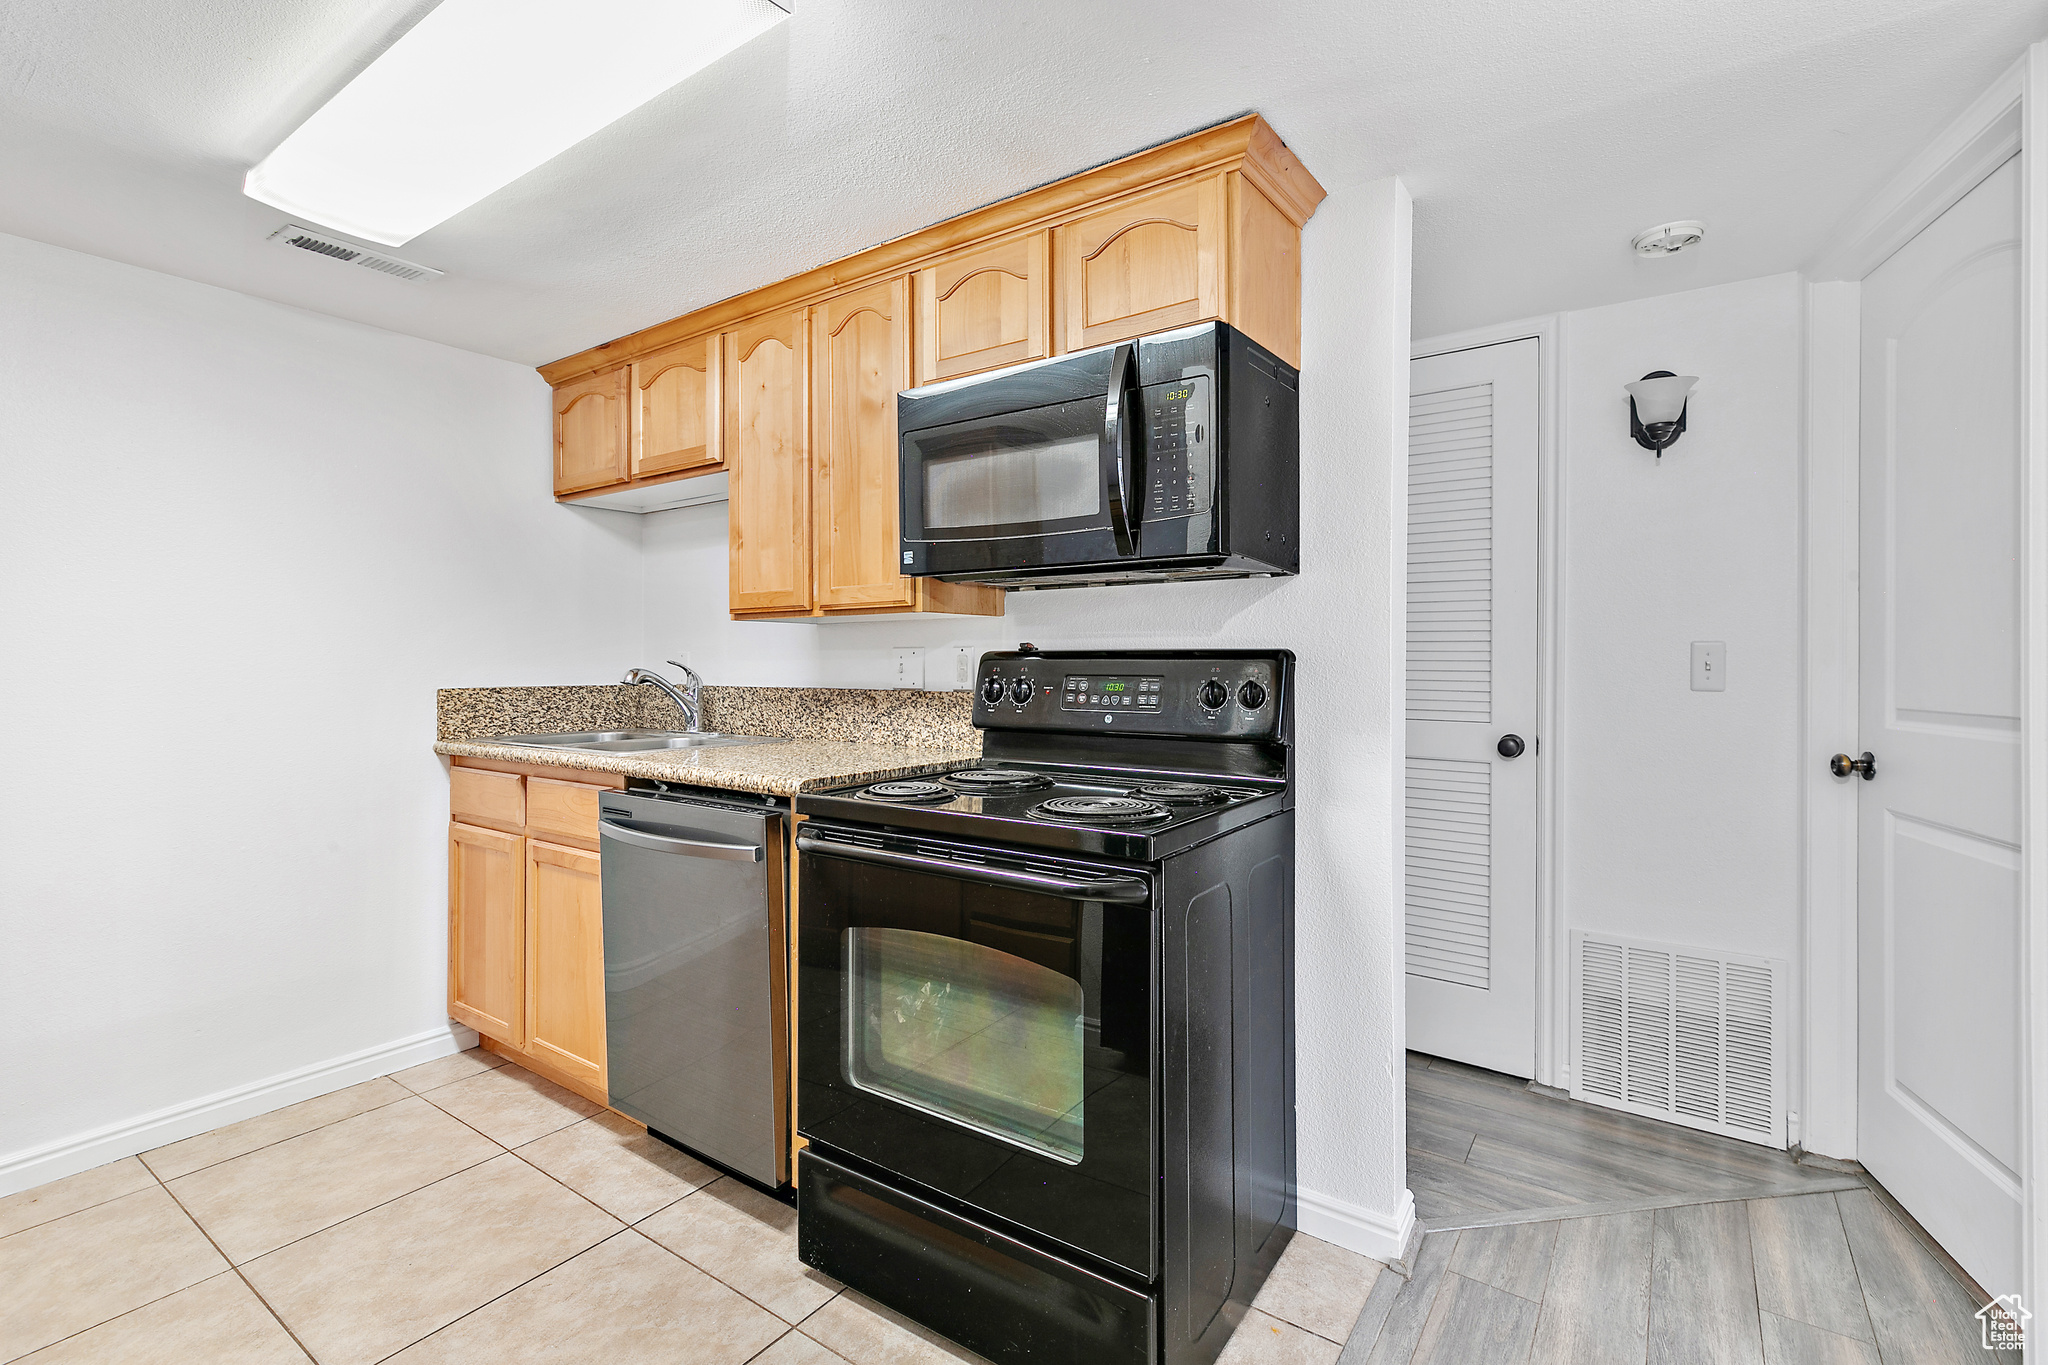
x: 324, y: 244
x: 1680, y: 1034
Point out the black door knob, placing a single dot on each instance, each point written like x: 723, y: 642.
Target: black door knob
x: 1841, y: 765
x: 1510, y: 746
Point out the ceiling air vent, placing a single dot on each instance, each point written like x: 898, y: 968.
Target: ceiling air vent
x: 305, y: 239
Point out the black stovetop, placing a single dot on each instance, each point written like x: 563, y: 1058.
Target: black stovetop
x: 1130, y: 755
x: 1134, y: 814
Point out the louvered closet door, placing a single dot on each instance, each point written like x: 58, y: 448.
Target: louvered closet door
x: 1471, y: 813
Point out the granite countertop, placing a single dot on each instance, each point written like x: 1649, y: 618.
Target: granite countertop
x: 831, y: 736
x: 782, y: 769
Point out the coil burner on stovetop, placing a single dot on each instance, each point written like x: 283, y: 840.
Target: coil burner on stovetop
x: 919, y: 793
x: 1100, y: 810
x: 992, y: 780
x: 1182, y: 794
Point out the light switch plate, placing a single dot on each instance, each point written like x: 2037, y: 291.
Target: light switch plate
x: 1709, y: 666
x: 909, y: 668
x: 951, y: 669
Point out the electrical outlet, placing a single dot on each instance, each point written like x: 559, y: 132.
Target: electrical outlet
x: 952, y: 669
x: 909, y: 668
x: 1709, y: 666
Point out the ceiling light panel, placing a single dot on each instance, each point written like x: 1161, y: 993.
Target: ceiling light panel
x: 480, y: 92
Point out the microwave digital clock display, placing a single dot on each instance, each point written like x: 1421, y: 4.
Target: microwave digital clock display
x: 1179, y: 473
x: 1110, y: 694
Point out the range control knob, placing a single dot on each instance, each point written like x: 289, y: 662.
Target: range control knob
x: 1252, y: 695
x: 1213, y: 694
x: 1020, y: 690
x: 992, y: 689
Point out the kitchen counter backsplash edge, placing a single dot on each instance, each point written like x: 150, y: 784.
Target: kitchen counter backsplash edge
x: 853, y: 715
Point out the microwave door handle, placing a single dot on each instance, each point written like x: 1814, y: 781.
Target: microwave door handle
x: 1119, y: 417
x: 1128, y: 890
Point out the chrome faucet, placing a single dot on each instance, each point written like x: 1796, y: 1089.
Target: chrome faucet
x: 689, y: 701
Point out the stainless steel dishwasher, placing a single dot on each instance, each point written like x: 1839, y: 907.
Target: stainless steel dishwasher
x: 695, y: 973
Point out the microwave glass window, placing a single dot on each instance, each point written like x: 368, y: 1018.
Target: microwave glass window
x: 1048, y: 480
x: 969, y: 1033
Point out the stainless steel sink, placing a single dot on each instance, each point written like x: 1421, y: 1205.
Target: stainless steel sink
x: 632, y: 741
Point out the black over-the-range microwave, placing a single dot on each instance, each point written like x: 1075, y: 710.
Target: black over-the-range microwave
x: 1174, y: 456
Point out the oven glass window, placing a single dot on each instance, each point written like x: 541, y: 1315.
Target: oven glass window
x: 968, y: 1033
x: 998, y: 485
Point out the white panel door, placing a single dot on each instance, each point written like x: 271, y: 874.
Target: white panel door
x: 1938, y: 883
x: 1471, y: 823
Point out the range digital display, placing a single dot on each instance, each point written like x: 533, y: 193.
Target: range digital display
x: 1080, y: 693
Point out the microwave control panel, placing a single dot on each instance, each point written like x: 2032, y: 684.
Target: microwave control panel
x: 1177, y: 462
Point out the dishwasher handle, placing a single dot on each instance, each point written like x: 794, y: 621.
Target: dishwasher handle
x: 671, y: 843
x: 1126, y: 890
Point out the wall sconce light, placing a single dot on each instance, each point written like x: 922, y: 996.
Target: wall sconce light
x: 1656, y: 408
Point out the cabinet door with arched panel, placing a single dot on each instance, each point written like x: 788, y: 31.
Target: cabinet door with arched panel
x: 590, y: 432
x: 984, y: 307
x: 767, y: 435
x: 1144, y: 264
x: 860, y: 354
x: 676, y: 409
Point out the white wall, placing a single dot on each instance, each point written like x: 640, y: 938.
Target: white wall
x: 1343, y: 617
x: 261, y: 539
x: 1679, y: 811
x: 241, y: 546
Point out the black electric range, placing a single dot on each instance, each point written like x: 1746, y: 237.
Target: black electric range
x: 1045, y: 1024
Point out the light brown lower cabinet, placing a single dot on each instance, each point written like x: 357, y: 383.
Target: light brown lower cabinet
x: 526, y: 921
x: 486, y: 933
x: 565, y: 937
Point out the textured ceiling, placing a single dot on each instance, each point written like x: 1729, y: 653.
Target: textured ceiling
x: 1536, y: 138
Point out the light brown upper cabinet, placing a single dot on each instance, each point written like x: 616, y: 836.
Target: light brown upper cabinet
x: 677, y: 408
x: 590, y: 432
x: 767, y: 431
x: 984, y: 307
x: 860, y: 358
x: 805, y: 370
x: 1263, y: 298
x: 1145, y: 264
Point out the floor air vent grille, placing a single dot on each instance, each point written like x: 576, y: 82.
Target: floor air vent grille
x: 1680, y: 1034
x: 305, y: 239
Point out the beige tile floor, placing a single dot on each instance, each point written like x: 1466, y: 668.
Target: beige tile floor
x: 464, y: 1212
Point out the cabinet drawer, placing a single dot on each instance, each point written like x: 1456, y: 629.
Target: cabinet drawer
x: 562, y: 810
x: 485, y: 798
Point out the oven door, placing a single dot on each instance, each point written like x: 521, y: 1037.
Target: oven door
x: 978, y: 1023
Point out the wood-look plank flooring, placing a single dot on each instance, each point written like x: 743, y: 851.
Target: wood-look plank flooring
x: 1559, y: 1233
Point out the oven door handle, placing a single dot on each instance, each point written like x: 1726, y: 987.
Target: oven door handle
x: 1119, y: 423
x: 1124, y: 890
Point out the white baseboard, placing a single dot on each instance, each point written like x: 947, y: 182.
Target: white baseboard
x: 34, y: 1166
x: 1384, y: 1237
